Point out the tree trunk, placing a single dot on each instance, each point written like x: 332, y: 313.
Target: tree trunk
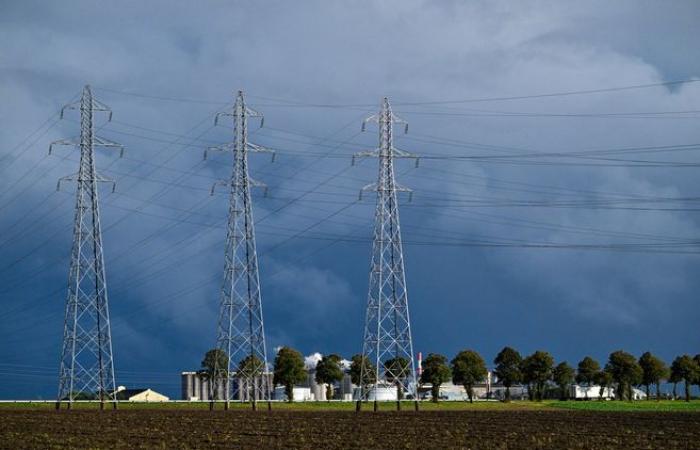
x: 289, y: 390
x: 674, y: 390
x: 507, y: 398
x: 329, y: 392
x: 470, y: 392
x: 648, y: 392
x: 687, y: 390
x: 658, y: 391
x: 435, y: 390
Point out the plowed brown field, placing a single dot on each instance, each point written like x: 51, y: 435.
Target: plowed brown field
x: 173, y: 429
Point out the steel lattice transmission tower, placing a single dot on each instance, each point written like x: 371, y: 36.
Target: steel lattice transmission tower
x: 240, y: 331
x: 387, y: 340
x: 87, y: 367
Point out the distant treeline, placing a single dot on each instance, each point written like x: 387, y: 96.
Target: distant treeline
x: 537, y: 372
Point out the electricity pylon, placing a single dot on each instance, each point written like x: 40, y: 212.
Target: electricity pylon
x: 87, y: 367
x: 240, y: 333
x: 387, y: 343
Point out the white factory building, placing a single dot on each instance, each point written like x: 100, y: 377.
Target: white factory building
x: 195, y: 386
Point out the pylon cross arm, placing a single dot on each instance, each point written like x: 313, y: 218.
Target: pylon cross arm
x: 255, y: 148
x: 398, y: 153
x: 95, y: 105
x: 75, y: 141
x: 102, y: 142
x: 76, y: 177
x: 249, y: 112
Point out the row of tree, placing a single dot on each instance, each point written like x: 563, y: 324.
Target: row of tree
x: 536, y: 371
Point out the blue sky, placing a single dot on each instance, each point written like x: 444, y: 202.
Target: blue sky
x: 622, y: 216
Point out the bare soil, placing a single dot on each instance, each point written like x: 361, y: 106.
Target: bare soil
x: 186, y: 429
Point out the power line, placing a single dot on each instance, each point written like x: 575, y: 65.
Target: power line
x: 556, y: 94
x: 683, y: 114
x: 159, y: 97
x: 294, y: 103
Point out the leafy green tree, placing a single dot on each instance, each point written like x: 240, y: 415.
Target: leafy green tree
x: 653, y: 371
x: 396, y: 371
x: 328, y: 371
x: 289, y: 370
x: 604, y: 380
x: 215, y: 361
x: 215, y: 367
x: 508, y: 369
x: 250, y: 368
x: 674, y: 376
x: 588, y: 369
x: 81, y: 395
x: 468, y: 368
x: 625, y: 371
x: 537, y: 371
x: 435, y: 371
x: 362, y: 372
x: 686, y: 369
x: 563, y: 375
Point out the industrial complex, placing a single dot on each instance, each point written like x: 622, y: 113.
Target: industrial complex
x: 195, y: 386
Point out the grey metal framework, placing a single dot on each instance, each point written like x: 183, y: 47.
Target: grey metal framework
x: 87, y: 366
x: 240, y: 332
x: 387, y: 333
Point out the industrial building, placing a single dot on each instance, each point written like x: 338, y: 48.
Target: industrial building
x: 590, y: 392
x: 344, y: 390
x: 196, y: 386
x: 593, y: 392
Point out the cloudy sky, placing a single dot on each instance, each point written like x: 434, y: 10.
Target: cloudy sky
x: 565, y: 222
